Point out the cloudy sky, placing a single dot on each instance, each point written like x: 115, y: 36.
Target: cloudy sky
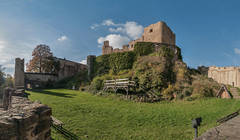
x: 208, y: 32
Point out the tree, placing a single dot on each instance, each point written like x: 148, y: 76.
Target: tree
x: 9, y: 81
x: 42, y: 61
x: 2, y: 74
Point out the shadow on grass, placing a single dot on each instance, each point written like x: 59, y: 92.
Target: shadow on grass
x: 59, y: 94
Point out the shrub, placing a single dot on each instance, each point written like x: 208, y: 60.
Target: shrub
x: 114, y: 62
x: 204, y: 86
x: 102, y: 65
x: 121, y: 61
x: 168, y: 92
x: 97, y: 84
x: 143, y: 48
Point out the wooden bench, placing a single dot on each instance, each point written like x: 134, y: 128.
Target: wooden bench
x: 116, y: 84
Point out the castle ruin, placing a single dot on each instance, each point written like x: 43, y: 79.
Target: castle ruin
x: 30, y: 80
x: 156, y: 33
x: 225, y: 75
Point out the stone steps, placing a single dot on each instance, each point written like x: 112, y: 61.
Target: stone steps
x: 235, y: 93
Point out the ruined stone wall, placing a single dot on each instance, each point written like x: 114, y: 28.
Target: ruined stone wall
x: 106, y: 48
x: 69, y: 68
x: 35, y: 80
x: 43, y: 77
x: 156, y: 33
x: 225, y: 75
x: 160, y: 33
x: 19, y: 73
x: 25, y: 120
x: 90, y: 64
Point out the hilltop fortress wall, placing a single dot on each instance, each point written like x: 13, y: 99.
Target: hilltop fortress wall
x: 156, y: 33
x: 225, y: 75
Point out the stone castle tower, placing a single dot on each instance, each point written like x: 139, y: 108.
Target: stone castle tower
x: 107, y: 49
x: 156, y: 33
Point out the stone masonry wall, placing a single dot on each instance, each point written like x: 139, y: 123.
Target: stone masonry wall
x: 159, y: 33
x: 225, y: 75
x: 156, y: 33
x: 69, y: 68
x: 25, y: 120
x: 19, y: 73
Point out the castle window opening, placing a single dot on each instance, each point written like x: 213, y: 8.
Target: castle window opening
x: 151, y: 30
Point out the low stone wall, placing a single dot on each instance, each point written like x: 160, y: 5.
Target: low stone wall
x: 25, y: 120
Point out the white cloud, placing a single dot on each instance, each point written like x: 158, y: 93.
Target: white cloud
x: 94, y: 26
x: 108, y: 22
x: 117, y: 30
x: 2, y: 45
x: 83, y: 62
x: 130, y: 28
x: 237, y: 51
x: 62, y: 38
x: 123, y: 32
x: 133, y: 30
x: 115, y: 40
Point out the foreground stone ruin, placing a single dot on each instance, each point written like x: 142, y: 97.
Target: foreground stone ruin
x: 25, y: 120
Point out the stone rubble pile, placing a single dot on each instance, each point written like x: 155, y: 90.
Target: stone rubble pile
x: 25, y: 120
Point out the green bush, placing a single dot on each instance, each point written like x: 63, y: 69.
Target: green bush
x: 143, y: 48
x: 168, y: 92
x: 153, y: 72
x: 204, y: 86
x: 102, y: 65
x: 97, y: 84
x: 121, y: 61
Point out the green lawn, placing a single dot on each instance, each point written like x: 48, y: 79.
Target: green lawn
x: 110, y: 118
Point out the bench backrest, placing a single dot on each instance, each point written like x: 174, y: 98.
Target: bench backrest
x: 119, y: 82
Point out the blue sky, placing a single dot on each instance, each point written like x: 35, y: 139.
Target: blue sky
x: 208, y: 31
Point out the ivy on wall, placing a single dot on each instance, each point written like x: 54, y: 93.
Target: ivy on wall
x: 143, y: 48
x: 121, y: 61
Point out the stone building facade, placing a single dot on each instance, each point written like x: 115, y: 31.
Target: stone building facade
x: 225, y: 75
x: 156, y: 33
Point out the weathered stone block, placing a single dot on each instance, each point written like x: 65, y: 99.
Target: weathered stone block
x: 26, y: 120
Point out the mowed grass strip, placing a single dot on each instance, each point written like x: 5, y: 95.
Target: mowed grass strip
x: 95, y: 117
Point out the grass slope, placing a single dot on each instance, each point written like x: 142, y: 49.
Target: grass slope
x: 110, y: 118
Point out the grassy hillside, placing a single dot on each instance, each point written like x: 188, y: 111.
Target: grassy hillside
x: 111, y: 118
